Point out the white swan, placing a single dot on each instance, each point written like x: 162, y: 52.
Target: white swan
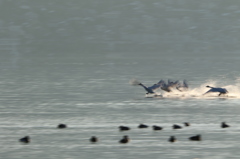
x: 213, y: 89
x: 182, y: 87
x: 150, y: 90
x: 174, y: 85
x: 164, y: 86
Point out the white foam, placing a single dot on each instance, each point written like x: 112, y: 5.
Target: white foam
x: 198, y: 91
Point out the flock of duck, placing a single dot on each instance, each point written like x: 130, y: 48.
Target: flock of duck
x: 126, y: 139
x: 169, y: 86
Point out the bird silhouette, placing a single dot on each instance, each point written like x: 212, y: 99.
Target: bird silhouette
x: 213, y: 89
x: 25, y: 139
x: 176, y: 126
x: 165, y: 86
x: 124, y: 140
x: 142, y: 126
x: 186, y: 124
x: 224, y: 125
x: 182, y: 87
x: 172, y: 139
x: 93, y: 139
x: 195, y: 138
x: 156, y: 127
x: 150, y: 90
x: 123, y: 128
x: 62, y: 126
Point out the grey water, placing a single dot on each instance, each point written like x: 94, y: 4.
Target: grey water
x: 71, y: 62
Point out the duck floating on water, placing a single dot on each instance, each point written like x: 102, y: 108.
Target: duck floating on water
x: 224, y: 125
x: 123, y: 128
x: 25, y: 139
x: 124, y: 140
x: 195, y: 138
x: 172, y: 139
x: 93, y: 139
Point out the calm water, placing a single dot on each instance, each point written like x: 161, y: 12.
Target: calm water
x: 71, y: 62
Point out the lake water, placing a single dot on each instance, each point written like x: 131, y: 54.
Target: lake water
x: 71, y: 62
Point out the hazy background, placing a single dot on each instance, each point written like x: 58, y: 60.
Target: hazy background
x: 166, y: 36
x: 110, y: 28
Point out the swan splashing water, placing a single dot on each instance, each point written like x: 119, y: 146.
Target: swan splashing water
x: 177, y: 89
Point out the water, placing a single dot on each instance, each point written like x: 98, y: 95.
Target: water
x: 71, y: 62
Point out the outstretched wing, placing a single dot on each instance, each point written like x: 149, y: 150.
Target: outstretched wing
x: 212, y: 90
x: 182, y: 87
x: 172, y: 84
x: 220, y: 90
x: 185, y: 84
x: 157, y: 85
x: 146, y: 88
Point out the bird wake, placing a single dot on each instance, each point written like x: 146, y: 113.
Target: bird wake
x: 173, y: 89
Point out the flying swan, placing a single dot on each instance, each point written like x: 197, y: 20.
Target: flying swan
x: 163, y: 85
x: 150, y: 90
x: 213, y: 89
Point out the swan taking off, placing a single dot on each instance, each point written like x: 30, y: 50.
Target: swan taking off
x: 220, y: 90
x: 171, y: 85
x: 182, y: 87
x: 150, y: 90
x: 168, y: 87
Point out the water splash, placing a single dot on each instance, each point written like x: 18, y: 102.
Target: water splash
x: 198, y: 91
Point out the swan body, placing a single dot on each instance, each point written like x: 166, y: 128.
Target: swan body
x: 213, y: 89
x: 182, y: 87
x: 148, y: 89
x: 164, y: 86
x: 151, y: 89
x: 168, y: 87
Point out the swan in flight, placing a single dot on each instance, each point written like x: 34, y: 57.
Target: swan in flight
x: 150, y: 90
x: 213, y: 89
x: 168, y: 87
x: 182, y: 87
x: 163, y: 85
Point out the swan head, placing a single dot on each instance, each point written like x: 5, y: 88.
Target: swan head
x: 208, y: 86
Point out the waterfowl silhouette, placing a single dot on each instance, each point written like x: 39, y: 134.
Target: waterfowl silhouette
x: 182, y: 87
x: 176, y: 126
x: 124, y: 140
x: 172, y: 139
x: 142, y: 126
x: 150, y: 90
x: 156, y: 127
x: 164, y: 86
x: 123, y: 128
x: 213, y: 89
x: 168, y: 86
x: 195, y: 138
x: 25, y: 139
x: 62, y: 126
x: 186, y: 124
x: 93, y: 139
x: 224, y: 125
